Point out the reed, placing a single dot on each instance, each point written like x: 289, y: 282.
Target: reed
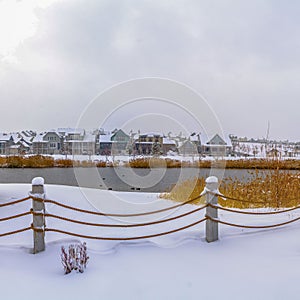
x: 271, y: 188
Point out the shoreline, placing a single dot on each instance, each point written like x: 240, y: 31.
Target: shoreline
x: 40, y: 161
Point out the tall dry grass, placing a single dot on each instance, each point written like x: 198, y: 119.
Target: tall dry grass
x: 157, y: 162
x: 272, y: 188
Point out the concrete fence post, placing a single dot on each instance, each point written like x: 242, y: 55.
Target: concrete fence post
x: 38, y: 209
x: 211, y: 187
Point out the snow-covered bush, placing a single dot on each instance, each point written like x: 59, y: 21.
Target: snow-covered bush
x: 75, y: 258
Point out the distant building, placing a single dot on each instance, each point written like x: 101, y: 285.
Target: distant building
x: 187, y: 148
x: 113, y: 143
x: 47, y: 143
x: 145, y: 142
x: 168, y: 145
x: 6, y: 141
x: 217, y: 146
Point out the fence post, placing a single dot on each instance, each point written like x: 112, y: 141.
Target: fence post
x: 38, y: 209
x: 212, y: 233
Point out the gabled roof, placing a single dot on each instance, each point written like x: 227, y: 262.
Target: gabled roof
x: 194, y: 137
x: 39, y: 138
x: 5, y: 137
x: 68, y: 131
x: 117, y: 132
x: 53, y: 132
x: 167, y: 141
x: 151, y: 134
x: 219, y: 141
x: 105, y: 138
x: 187, y: 143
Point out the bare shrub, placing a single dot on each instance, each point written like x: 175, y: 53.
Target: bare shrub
x: 75, y: 258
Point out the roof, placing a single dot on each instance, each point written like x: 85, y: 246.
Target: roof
x: 194, y: 137
x: 5, y: 137
x: 151, y: 134
x: 39, y: 138
x: 218, y: 140
x: 67, y: 131
x: 105, y: 138
x: 89, y: 138
x: 167, y: 141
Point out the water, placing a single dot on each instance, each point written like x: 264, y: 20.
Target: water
x: 117, y: 179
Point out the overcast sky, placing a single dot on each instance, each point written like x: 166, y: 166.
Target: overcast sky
x: 242, y: 56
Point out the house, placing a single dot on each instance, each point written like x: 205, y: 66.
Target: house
x: 6, y: 140
x: 22, y: 142
x: 187, y: 147
x: 47, y: 143
x: 274, y: 153
x: 217, y: 146
x: 105, y: 143
x: 113, y: 143
x: 120, y: 141
x: 78, y: 142
x: 39, y: 145
x: 20, y: 147
x: 168, y: 145
x: 147, y: 142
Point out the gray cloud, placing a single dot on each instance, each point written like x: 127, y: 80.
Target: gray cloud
x: 243, y: 56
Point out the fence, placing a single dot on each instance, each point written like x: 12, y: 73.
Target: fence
x: 211, y: 192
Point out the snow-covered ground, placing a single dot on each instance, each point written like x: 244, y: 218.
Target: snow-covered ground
x: 186, y: 158
x: 243, y: 264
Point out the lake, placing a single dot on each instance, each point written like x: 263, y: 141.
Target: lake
x: 117, y: 179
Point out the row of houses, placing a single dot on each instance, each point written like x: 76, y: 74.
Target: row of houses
x: 242, y: 146
x: 70, y: 141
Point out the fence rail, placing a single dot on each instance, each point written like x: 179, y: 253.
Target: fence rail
x: 211, y: 193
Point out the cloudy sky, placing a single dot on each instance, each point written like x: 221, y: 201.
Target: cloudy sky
x: 243, y: 57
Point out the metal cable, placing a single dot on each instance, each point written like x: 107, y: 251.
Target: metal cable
x: 124, y: 225
x: 125, y: 238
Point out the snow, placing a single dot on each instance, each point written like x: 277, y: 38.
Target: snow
x: 38, y: 181
x: 243, y: 264
x: 212, y: 179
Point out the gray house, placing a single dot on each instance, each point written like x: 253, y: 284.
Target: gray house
x: 6, y: 141
x: 47, y: 143
x: 113, y: 143
x: 217, y: 146
x: 187, y: 148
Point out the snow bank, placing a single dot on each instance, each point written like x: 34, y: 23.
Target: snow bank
x: 243, y: 264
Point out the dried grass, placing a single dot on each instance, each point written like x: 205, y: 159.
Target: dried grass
x: 271, y: 188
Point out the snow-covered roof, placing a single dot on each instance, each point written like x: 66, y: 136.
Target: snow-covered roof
x: 105, y: 138
x: 5, y: 137
x: 218, y: 137
x: 89, y: 138
x: 151, y: 134
x: 67, y: 131
x: 39, y: 138
x: 167, y: 141
x: 194, y: 137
